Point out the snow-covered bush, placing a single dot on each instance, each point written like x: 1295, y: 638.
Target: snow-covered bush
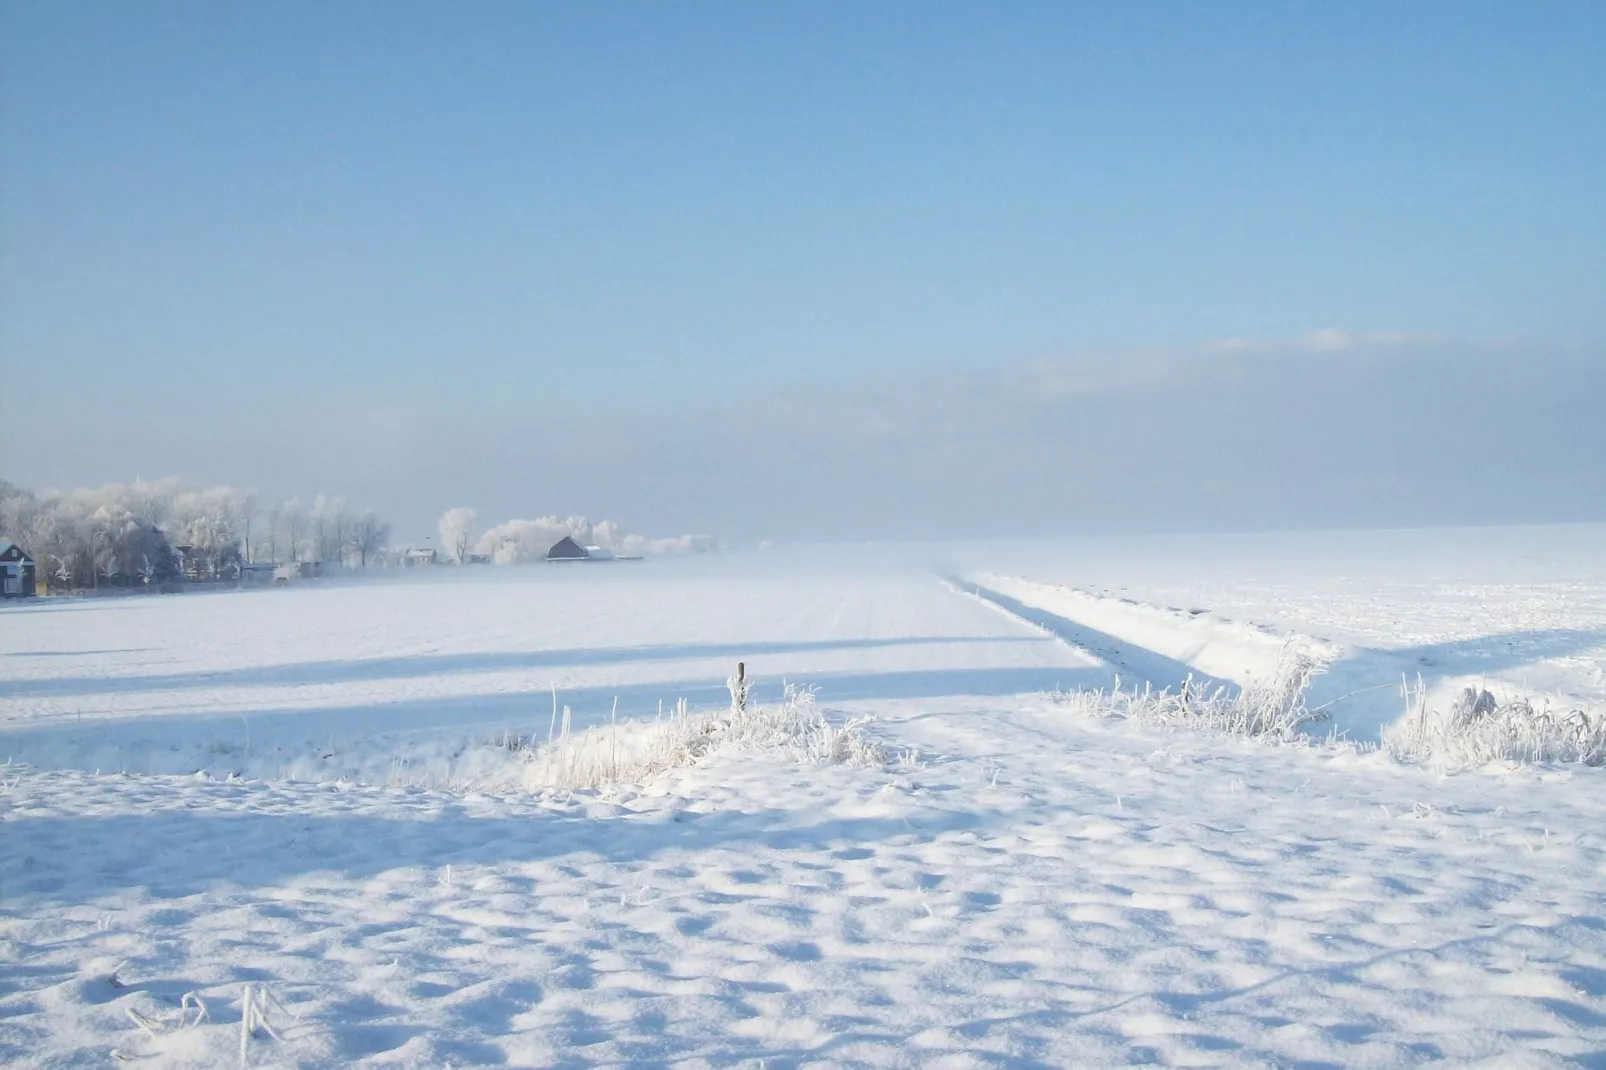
x: 792, y: 729
x: 1274, y: 708
x: 1478, y: 729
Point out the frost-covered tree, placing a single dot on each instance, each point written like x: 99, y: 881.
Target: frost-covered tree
x: 325, y: 544
x: 272, y: 531
x: 457, y: 528
x: 19, y: 508
x: 331, y: 530
x: 127, y: 534
x: 369, y: 537
x: 344, y: 531
x: 295, y: 529
x: 91, y: 537
x: 248, y: 511
x: 205, y: 523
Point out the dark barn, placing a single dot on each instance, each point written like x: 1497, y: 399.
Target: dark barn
x: 566, y: 549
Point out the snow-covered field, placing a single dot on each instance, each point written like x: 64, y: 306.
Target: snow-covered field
x: 303, y: 792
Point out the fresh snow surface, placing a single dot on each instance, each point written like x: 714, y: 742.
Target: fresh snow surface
x: 383, y: 680
x: 1035, y: 889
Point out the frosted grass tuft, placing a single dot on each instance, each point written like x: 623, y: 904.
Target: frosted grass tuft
x: 1478, y: 729
x: 1274, y: 709
x: 792, y: 729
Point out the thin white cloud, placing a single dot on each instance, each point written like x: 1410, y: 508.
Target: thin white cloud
x: 1330, y: 340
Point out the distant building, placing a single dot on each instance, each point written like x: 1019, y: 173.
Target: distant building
x: 414, y: 558
x: 566, y: 549
x: 296, y: 571
x: 17, y: 573
x: 597, y: 553
x: 477, y: 559
x: 257, y: 574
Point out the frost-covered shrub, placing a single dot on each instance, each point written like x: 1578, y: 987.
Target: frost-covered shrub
x: 792, y: 729
x: 1478, y: 728
x: 1274, y: 708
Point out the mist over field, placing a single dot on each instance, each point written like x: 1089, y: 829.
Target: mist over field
x: 1326, y: 431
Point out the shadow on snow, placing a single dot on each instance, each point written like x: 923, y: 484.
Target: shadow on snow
x: 358, y: 669
x: 127, y: 742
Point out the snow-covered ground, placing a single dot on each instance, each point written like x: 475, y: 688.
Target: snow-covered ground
x: 1039, y: 890
x: 339, y: 681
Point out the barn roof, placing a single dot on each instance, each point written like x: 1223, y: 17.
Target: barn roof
x: 566, y: 549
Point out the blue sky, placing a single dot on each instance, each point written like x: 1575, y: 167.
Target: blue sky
x: 357, y: 245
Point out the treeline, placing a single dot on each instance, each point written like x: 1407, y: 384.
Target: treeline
x: 154, y: 534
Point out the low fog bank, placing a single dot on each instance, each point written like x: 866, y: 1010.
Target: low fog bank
x: 1330, y: 431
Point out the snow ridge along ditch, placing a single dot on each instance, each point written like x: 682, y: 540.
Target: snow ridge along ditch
x: 1267, y: 699
x: 1160, y: 646
x: 1200, y: 670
